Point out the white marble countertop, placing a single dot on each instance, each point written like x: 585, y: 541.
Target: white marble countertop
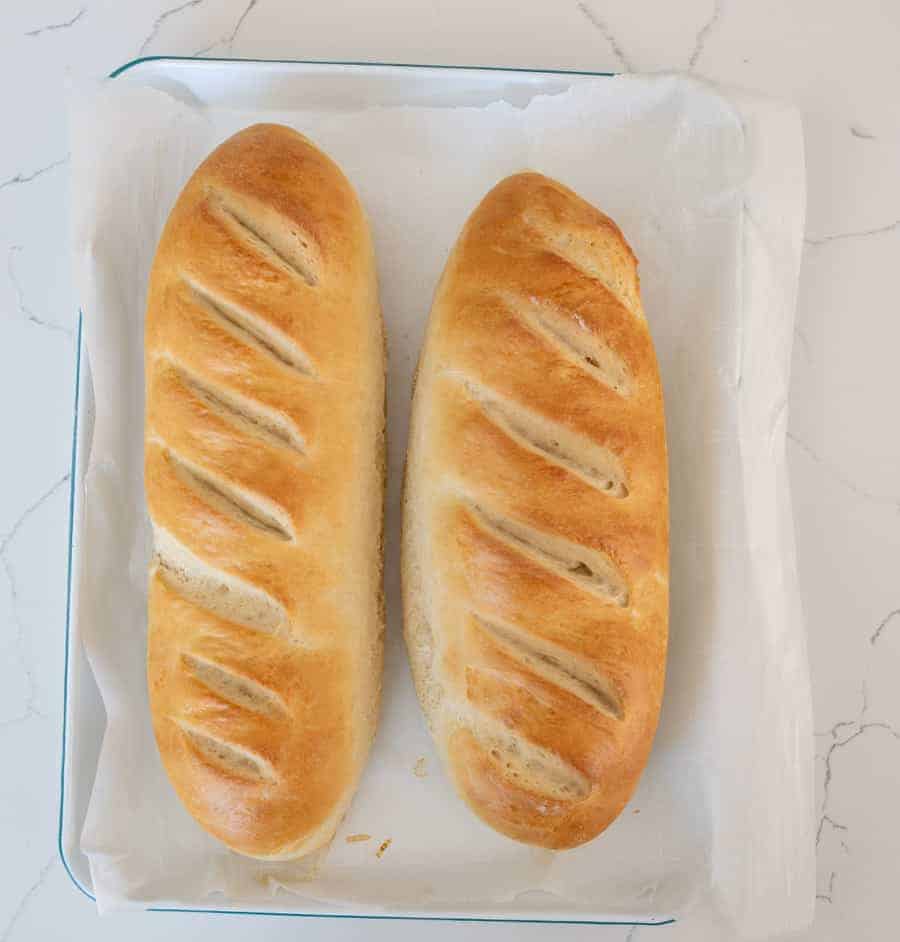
x: 837, y: 61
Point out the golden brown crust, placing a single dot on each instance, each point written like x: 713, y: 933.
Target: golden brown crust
x: 535, y: 547
x: 264, y: 481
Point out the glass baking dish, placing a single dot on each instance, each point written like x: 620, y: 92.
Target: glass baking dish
x: 264, y: 85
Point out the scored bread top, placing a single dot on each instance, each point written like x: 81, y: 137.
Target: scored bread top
x: 535, y: 546
x: 264, y: 481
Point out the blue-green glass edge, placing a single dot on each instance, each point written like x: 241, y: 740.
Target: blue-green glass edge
x: 72, y: 483
x: 353, y: 62
x: 65, y: 715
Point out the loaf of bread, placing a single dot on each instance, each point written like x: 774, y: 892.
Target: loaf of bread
x: 264, y: 474
x: 535, y: 531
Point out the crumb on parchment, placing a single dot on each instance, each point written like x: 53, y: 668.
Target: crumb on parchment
x: 385, y: 844
x: 419, y: 769
x: 356, y: 838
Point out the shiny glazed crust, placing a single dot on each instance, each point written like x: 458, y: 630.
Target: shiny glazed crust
x: 264, y: 480
x: 535, y: 535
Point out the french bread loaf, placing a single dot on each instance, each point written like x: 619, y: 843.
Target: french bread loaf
x: 264, y: 475
x: 535, y: 530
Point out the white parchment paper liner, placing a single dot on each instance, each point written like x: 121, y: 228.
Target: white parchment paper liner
x: 707, y: 184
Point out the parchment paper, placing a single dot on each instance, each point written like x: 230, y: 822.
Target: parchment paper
x: 707, y: 185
